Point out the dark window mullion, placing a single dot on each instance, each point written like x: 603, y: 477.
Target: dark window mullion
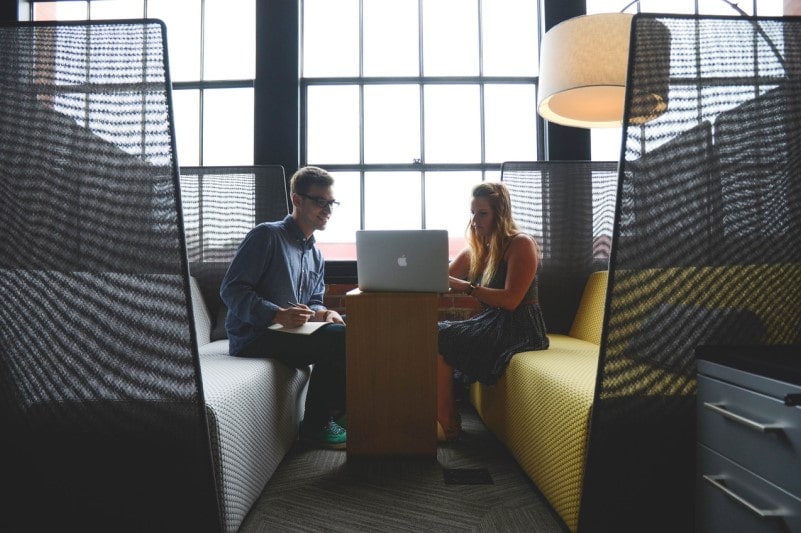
x: 428, y: 80
x: 303, y: 134
x: 411, y: 167
x: 214, y: 84
x: 362, y: 177
x: 420, y: 72
x: 481, y: 86
x: 361, y: 151
x: 202, y: 91
x: 542, y: 140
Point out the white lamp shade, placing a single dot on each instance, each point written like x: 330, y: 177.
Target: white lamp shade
x: 583, y: 68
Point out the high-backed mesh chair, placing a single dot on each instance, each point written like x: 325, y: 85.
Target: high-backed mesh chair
x: 220, y: 205
x: 101, y: 405
x: 706, y: 251
x: 569, y: 206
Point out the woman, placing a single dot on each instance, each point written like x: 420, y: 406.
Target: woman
x: 499, y: 269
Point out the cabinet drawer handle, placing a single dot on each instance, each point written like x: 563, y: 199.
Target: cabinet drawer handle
x: 747, y: 422
x: 762, y: 513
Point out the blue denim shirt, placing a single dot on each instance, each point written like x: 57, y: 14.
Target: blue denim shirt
x: 274, y: 265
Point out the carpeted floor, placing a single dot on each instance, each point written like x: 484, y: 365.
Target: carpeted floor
x: 320, y: 490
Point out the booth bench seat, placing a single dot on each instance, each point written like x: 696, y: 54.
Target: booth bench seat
x: 254, y: 408
x: 540, y: 408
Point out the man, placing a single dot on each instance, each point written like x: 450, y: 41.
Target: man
x: 276, y: 278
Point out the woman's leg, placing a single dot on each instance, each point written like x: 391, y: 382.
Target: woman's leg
x: 447, y: 420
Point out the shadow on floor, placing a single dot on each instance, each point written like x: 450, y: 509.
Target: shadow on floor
x: 320, y: 490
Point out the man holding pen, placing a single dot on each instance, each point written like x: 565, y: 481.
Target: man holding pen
x: 275, y: 282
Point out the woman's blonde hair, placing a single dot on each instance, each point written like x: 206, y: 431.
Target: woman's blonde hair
x: 487, y: 253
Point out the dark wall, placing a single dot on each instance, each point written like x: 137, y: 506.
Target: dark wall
x: 9, y: 11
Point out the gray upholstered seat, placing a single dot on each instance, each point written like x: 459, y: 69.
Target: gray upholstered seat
x: 254, y: 408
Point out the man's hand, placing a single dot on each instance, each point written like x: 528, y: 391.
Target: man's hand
x: 294, y: 316
x: 332, y: 316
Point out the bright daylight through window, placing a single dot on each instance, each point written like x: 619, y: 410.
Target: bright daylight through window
x: 409, y: 103
x: 212, y: 66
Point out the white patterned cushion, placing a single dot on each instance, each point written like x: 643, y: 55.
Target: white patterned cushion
x: 201, y: 313
x: 213, y: 348
x: 254, y: 408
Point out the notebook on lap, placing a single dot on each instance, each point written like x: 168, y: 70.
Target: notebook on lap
x: 402, y: 260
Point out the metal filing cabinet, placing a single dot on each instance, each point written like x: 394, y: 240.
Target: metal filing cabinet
x: 749, y: 440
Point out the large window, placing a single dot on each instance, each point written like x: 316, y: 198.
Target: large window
x: 212, y: 65
x: 410, y: 103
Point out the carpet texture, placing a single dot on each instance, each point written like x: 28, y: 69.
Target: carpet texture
x: 320, y: 490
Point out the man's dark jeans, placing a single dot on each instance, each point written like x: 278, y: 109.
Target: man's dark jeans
x: 325, y: 349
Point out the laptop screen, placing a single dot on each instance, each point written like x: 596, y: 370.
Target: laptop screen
x: 402, y: 260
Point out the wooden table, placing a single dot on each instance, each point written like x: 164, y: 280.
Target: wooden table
x: 391, y: 344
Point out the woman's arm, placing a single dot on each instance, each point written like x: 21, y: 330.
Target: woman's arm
x: 521, y: 261
x: 458, y: 270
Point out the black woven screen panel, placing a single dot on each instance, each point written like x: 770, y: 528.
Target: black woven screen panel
x: 569, y: 207
x: 101, y: 405
x: 220, y: 205
x: 706, y: 251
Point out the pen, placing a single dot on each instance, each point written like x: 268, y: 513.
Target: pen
x: 293, y: 304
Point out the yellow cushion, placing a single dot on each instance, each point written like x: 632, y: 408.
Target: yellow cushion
x: 589, y: 320
x: 540, y: 409
x: 760, y: 289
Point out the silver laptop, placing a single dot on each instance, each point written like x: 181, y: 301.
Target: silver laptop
x: 402, y: 260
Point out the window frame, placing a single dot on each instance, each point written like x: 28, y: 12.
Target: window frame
x: 277, y: 95
x: 25, y: 12
x: 483, y: 167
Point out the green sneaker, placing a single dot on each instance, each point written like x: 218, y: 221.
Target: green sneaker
x: 332, y: 435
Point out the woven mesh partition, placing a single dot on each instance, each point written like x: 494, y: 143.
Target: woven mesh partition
x: 569, y: 206
x: 706, y: 250
x: 101, y: 408
x: 220, y: 205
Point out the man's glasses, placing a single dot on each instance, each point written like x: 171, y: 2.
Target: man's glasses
x: 321, y: 202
